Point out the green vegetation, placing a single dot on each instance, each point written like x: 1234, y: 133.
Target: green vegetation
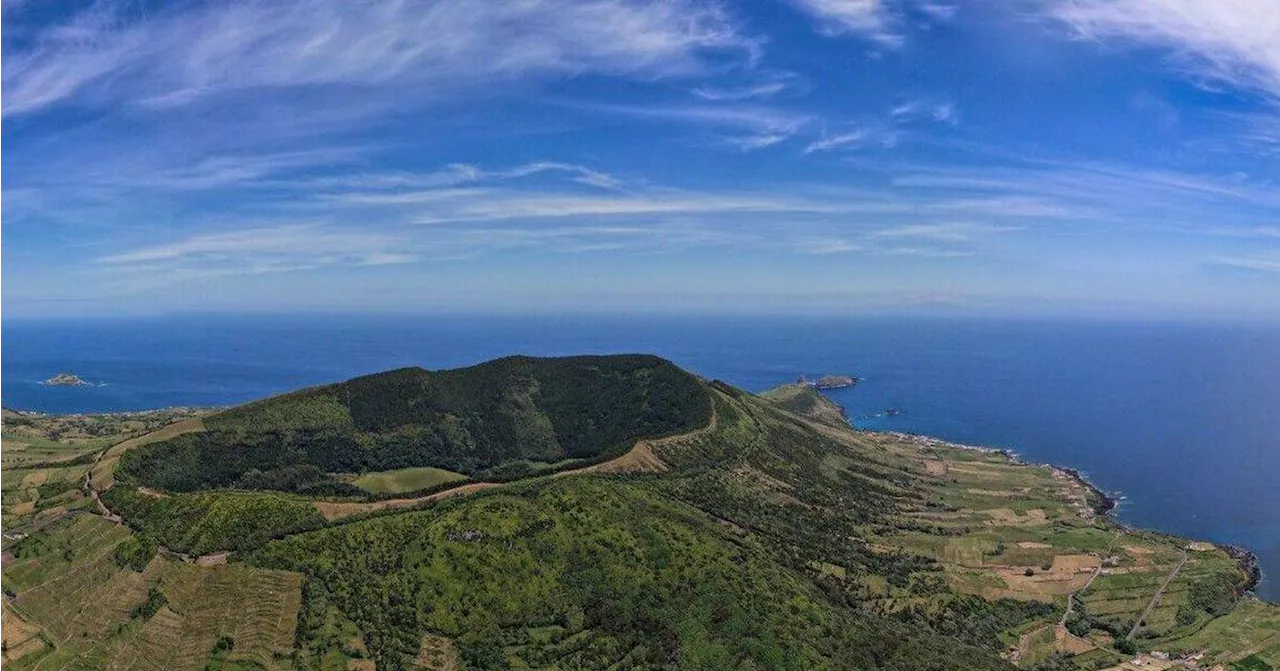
x: 1251, y: 663
x: 203, y: 523
x: 585, y: 573
x: 807, y: 402
x: 757, y: 533
x: 472, y: 421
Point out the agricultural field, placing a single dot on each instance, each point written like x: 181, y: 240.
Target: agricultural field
x: 45, y: 459
x: 405, y: 480
x: 71, y: 604
x: 1006, y: 530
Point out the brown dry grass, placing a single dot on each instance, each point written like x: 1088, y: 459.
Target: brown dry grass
x: 34, y: 479
x: 24, y: 508
x: 216, y: 559
x: 1068, y: 574
x: 935, y: 467
x: 1075, y: 563
x: 21, y: 638
x: 1001, y: 493
x: 1068, y: 643
x: 1007, y: 517
x: 639, y: 459
x: 333, y: 510
x: 437, y: 654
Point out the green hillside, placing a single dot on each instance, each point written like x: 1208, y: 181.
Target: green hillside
x: 702, y: 528
x: 500, y: 419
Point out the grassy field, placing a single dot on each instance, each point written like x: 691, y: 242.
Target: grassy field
x: 405, y: 480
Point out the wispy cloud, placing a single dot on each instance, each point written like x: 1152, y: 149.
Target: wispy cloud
x: 743, y: 126
x: 117, y: 52
x: 1260, y: 264
x: 853, y: 139
x: 494, y: 206
x: 943, y: 232
x: 869, y: 18
x: 761, y: 85
x: 881, y: 21
x: 941, y: 111
x: 260, y: 250
x: 1231, y: 41
x: 939, y: 11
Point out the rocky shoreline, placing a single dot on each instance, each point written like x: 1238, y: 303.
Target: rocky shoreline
x: 1248, y: 562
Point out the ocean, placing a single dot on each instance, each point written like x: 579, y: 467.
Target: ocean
x: 1182, y: 420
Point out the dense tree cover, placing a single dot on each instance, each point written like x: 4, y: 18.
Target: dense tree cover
x: 1214, y: 594
x: 204, y: 523
x: 757, y: 548
x: 975, y: 620
x: 155, y: 601
x: 487, y: 420
x: 586, y: 573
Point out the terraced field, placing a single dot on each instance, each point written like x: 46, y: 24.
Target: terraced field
x: 70, y: 605
x: 1029, y: 533
x: 45, y: 459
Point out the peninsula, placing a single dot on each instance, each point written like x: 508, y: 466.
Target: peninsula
x: 588, y: 513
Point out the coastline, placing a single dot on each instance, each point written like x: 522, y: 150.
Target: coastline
x: 1101, y: 503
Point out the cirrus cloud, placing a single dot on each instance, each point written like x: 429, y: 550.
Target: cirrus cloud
x: 1232, y: 41
x: 113, y: 52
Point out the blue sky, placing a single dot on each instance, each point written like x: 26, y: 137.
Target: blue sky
x: 1012, y: 157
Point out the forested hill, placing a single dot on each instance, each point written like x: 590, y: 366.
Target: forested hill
x: 765, y: 534
x: 499, y: 419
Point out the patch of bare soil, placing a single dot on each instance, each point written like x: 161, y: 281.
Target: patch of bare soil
x: 935, y: 467
x: 336, y: 510
x: 1067, y: 574
x: 24, y: 508
x: 1001, y: 493
x: 639, y: 459
x: 1008, y: 517
x: 34, y: 479
x: 437, y: 654
x: 21, y: 638
x: 215, y: 559
x: 1071, y: 644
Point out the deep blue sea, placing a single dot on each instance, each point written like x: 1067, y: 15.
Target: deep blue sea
x: 1183, y: 420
